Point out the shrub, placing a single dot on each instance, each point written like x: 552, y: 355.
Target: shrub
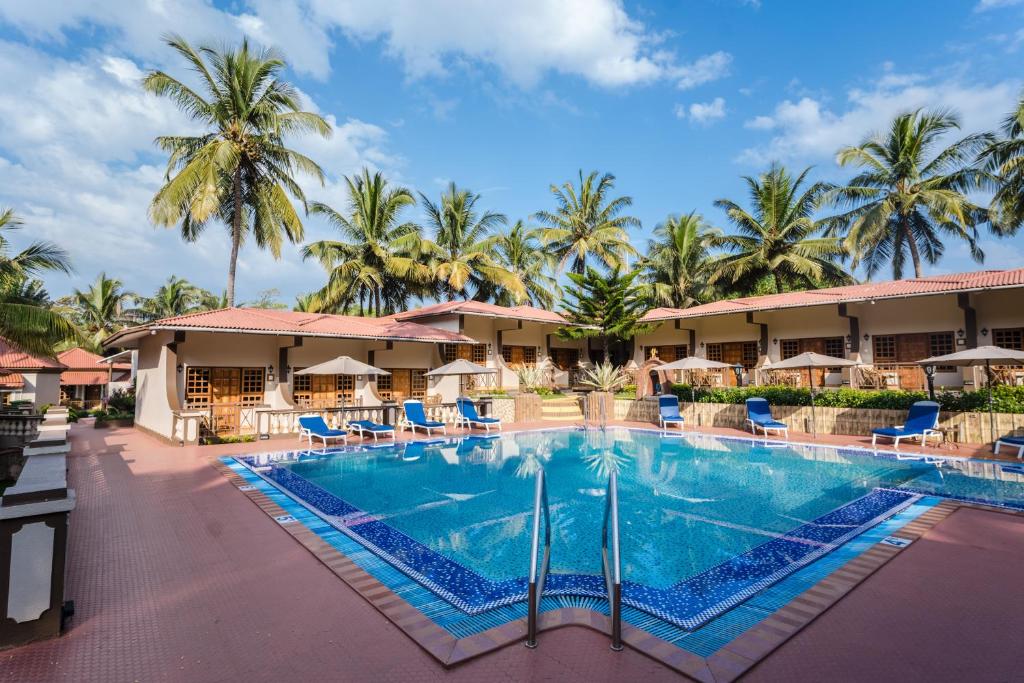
x: 605, y: 377
x: 228, y: 438
x: 123, y: 401
x: 1005, y: 399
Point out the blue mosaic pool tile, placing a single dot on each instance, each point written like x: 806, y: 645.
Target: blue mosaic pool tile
x: 688, y: 604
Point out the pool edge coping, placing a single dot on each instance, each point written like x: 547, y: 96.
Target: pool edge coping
x: 726, y: 664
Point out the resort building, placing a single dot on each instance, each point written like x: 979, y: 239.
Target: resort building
x: 90, y: 379
x: 885, y: 326
x: 229, y: 365
x: 28, y: 377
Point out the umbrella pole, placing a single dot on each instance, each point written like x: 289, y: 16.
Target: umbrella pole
x: 814, y: 429
x: 991, y: 415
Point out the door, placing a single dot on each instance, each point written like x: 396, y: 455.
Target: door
x: 909, y: 349
x: 401, y: 385
x: 225, y: 396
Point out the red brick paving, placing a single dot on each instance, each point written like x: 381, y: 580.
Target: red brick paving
x: 177, y: 576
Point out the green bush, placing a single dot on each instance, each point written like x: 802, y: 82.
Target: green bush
x: 123, y: 401
x: 75, y: 413
x: 228, y: 438
x: 544, y: 391
x: 1005, y: 399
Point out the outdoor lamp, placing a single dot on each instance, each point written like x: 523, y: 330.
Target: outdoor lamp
x: 960, y: 332
x: 180, y: 368
x: 490, y: 351
x: 270, y: 373
x: 929, y: 373
x: 738, y: 370
x: 866, y: 336
x: 775, y: 341
x: 984, y: 332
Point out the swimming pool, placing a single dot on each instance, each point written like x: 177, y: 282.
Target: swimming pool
x: 705, y: 521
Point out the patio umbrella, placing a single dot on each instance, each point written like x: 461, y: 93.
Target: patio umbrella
x: 460, y: 367
x: 692, y: 363
x: 342, y: 365
x: 981, y: 356
x: 811, y: 360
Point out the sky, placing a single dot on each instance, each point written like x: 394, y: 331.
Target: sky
x: 678, y: 100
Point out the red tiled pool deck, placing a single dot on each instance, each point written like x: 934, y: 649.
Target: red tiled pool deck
x: 177, y: 576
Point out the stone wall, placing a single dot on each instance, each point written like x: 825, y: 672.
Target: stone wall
x: 504, y: 409
x: 528, y: 407
x: 964, y: 427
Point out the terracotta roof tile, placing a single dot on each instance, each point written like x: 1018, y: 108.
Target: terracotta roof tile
x: 11, y: 380
x: 935, y: 284
x: 86, y: 360
x: 530, y: 313
x: 292, y: 322
x: 85, y: 377
x: 12, y: 357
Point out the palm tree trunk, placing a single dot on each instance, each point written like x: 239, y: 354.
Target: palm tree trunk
x: 605, y: 347
x: 236, y: 234
x: 778, y: 283
x: 915, y: 256
x: 376, y: 296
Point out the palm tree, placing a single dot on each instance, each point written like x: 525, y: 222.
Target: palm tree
x: 103, y: 309
x: 775, y: 240
x: 375, y: 263
x: 462, y: 251
x: 239, y: 171
x: 588, y: 223
x: 907, y: 201
x: 175, y: 297
x: 306, y: 303
x: 26, y: 319
x: 1004, y: 158
x: 679, y: 264
x: 521, y: 252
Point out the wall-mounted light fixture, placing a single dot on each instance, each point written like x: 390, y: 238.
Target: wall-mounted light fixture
x: 181, y: 368
x: 984, y: 332
x: 960, y: 332
x: 490, y: 351
x: 866, y: 336
x: 270, y: 373
x: 775, y: 340
x: 359, y: 378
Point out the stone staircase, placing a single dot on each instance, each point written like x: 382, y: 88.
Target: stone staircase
x: 562, y: 410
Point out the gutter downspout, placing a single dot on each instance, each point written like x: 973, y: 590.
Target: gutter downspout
x: 763, y: 343
x: 691, y: 348
x: 854, y: 330
x: 963, y: 300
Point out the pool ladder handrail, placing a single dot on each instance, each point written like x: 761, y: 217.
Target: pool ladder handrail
x: 612, y: 571
x: 535, y: 590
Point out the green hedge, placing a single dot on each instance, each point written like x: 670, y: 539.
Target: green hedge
x: 1004, y: 399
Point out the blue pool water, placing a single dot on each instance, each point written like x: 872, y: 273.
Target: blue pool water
x: 705, y: 521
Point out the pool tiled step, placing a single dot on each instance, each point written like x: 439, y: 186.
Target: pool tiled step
x: 561, y: 410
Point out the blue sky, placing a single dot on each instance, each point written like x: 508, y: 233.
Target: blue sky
x: 677, y: 99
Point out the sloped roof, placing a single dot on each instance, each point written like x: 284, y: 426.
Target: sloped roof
x: 86, y: 377
x: 264, y: 321
x: 481, y: 308
x: 79, y: 358
x: 12, y: 357
x: 893, y: 289
x: 11, y: 380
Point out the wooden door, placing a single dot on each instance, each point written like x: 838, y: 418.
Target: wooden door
x: 401, y: 385
x: 814, y: 345
x: 324, y: 390
x: 909, y: 349
x: 225, y: 396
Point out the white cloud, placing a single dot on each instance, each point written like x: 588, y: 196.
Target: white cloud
x: 706, y: 69
x: 680, y: 111
x: 984, y: 5
x: 706, y: 112
x: 77, y: 162
x: 810, y: 130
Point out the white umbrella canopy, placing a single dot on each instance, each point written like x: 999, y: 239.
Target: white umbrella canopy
x: 342, y: 365
x: 986, y: 356
x: 810, y: 360
x: 460, y: 367
x: 692, y: 363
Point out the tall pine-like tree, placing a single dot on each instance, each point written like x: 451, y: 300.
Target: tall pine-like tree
x: 608, y: 304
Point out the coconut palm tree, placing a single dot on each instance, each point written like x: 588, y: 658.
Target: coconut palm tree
x: 1004, y: 158
x: 375, y: 262
x: 462, y: 251
x: 104, y: 308
x: 679, y: 261
x: 588, y: 223
x: 775, y: 239
x: 911, y: 196
x: 26, y: 319
x: 521, y: 252
x: 175, y: 297
x: 239, y: 171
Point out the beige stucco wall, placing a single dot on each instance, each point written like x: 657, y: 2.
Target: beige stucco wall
x: 40, y: 388
x: 155, y: 392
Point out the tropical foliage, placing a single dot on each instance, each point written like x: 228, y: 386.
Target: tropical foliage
x: 102, y: 309
x: 521, y: 252
x: 777, y: 237
x: 176, y: 297
x: 678, y: 266
x: 912, y: 195
x: 607, y: 306
x: 1004, y: 159
x: 588, y: 223
x: 239, y: 171
x: 606, y: 377
x: 26, y: 318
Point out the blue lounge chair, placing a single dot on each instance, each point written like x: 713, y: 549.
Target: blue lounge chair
x: 313, y: 427
x: 668, y: 411
x: 366, y: 427
x: 1013, y: 442
x: 415, y: 417
x: 921, y: 422
x: 759, y: 416
x: 469, y: 417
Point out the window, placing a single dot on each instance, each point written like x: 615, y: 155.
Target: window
x: 519, y: 355
x: 668, y: 354
x: 346, y: 389
x: 252, y: 387
x: 790, y: 348
x: 749, y: 355
x: 471, y: 352
x: 1009, y: 338
x: 714, y: 352
x: 884, y: 348
x: 384, y: 386
x: 419, y: 383
x: 197, y: 387
x: 302, y: 388
x: 835, y: 347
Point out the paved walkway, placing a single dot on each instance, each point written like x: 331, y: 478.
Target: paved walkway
x: 176, y: 576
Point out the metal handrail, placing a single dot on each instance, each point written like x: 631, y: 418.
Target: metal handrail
x: 612, y: 572
x: 538, y: 575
